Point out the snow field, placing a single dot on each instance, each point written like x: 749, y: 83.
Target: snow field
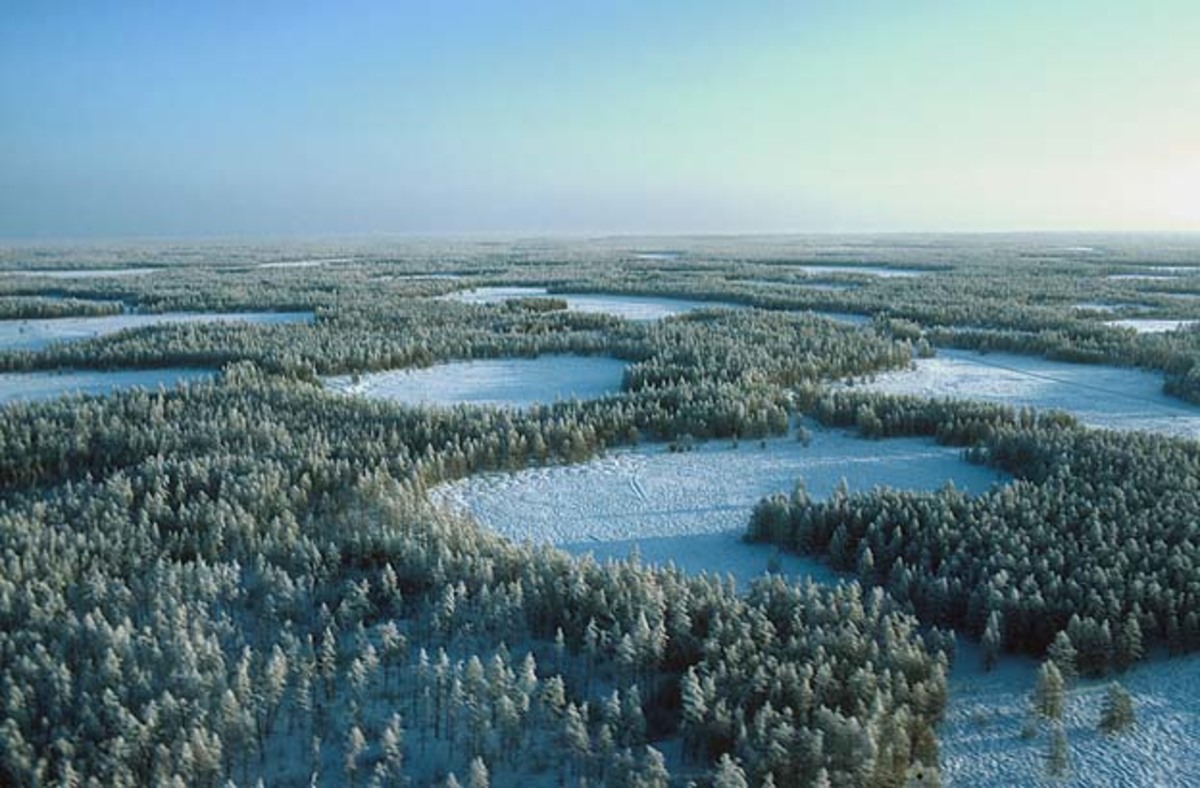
x: 37, y: 334
x: 81, y: 273
x: 507, y: 382
x: 1146, y: 325
x: 692, y: 507
x: 982, y: 742
x: 1100, y: 396
x: 34, y: 386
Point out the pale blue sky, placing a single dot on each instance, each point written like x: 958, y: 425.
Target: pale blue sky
x: 223, y: 118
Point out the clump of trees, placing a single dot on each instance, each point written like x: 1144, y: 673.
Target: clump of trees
x: 240, y: 579
x: 1094, y: 537
x: 41, y: 308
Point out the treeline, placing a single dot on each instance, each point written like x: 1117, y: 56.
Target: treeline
x: 1097, y: 535
x: 40, y: 308
x: 750, y: 347
x: 240, y: 579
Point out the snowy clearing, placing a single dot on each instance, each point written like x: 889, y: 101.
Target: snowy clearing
x: 823, y: 286
x: 82, y: 273
x: 1107, y: 306
x: 981, y: 737
x: 869, y: 270
x: 663, y: 500
x: 503, y: 382
x: 33, y: 386
x: 629, y: 307
x: 1147, y: 325
x: 847, y: 318
x: 36, y: 334
x: 1151, y: 277
x: 1099, y: 396
x: 309, y: 263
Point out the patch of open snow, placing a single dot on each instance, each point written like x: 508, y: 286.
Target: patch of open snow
x: 1106, y: 306
x: 692, y: 507
x: 311, y: 263
x: 37, y: 334
x: 81, y: 273
x: 495, y: 295
x: 982, y: 745
x: 1150, y: 277
x: 848, y: 318
x: 504, y: 382
x: 869, y: 270
x: 657, y: 255
x: 32, y: 386
x: 1175, y: 269
x: 629, y: 307
x: 722, y: 553
x: 1146, y: 325
x: 824, y: 286
x: 427, y: 276
x: 1100, y: 396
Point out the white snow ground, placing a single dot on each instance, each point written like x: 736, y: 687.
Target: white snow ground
x: 869, y: 270
x: 1105, y: 306
x: 1148, y: 277
x: 982, y: 745
x: 692, y: 507
x: 629, y: 307
x: 32, y: 386
x: 82, y: 273
x: 504, y: 382
x: 37, y: 334
x: 1147, y: 325
x: 311, y: 263
x: 1100, y: 396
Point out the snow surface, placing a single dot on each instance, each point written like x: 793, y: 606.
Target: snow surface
x: 1100, y: 396
x: 629, y: 307
x: 982, y: 745
x: 313, y: 263
x: 829, y: 287
x: 33, y: 386
x: 82, y: 273
x: 1146, y: 325
x: 692, y: 507
x: 37, y: 334
x: 1151, y: 277
x: 504, y: 382
x: 1175, y: 269
x: 1105, y: 306
x: 870, y: 270
x: 848, y: 318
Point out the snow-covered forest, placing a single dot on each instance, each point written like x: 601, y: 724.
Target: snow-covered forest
x: 244, y: 577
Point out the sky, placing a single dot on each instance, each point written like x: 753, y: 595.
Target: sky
x: 140, y: 118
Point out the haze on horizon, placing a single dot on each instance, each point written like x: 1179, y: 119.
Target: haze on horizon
x: 148, y: 119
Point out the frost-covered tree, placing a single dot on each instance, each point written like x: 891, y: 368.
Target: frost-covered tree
x: 1117, y: 714
x: 1050, y: 693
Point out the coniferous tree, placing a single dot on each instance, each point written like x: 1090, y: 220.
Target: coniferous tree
x: 1117, y: 714
x: 1050, y: 694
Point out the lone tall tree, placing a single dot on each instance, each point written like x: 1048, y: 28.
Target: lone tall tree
x: 1117, y: 714
x: 1050, y: 691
